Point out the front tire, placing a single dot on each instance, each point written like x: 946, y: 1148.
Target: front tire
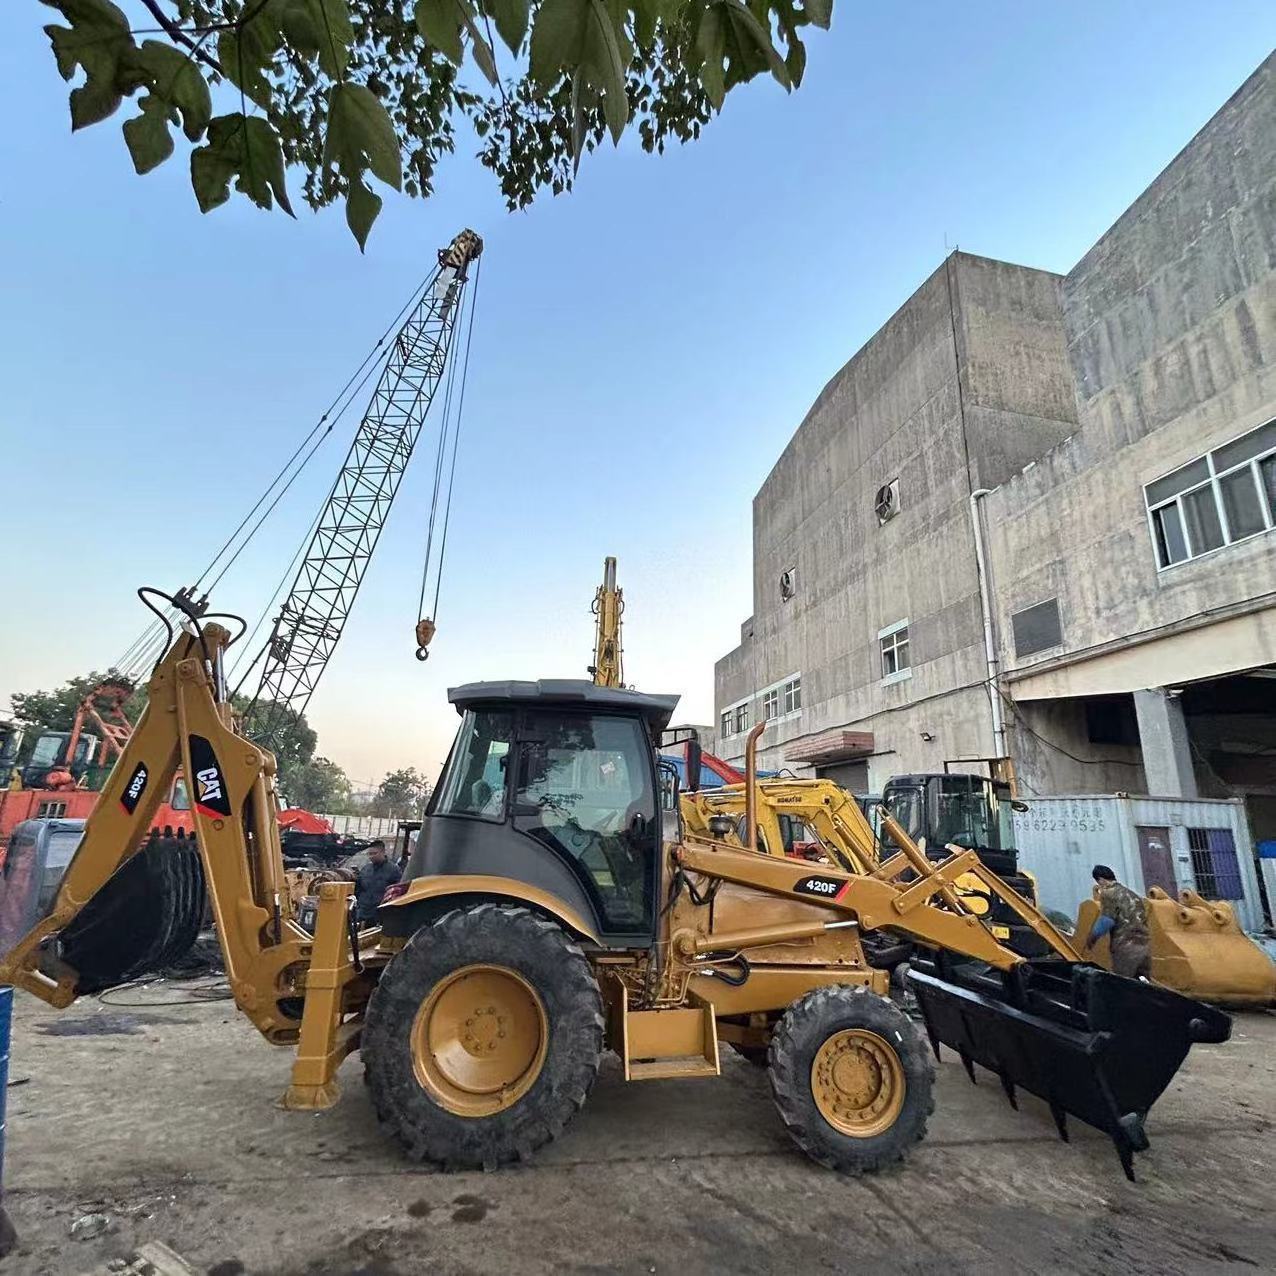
x: 852, y: 1079
x: 483, y: 1037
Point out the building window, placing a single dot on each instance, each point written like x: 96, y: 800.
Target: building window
x: 1037, y: 628
x: 771, y: 704
x: 50, y: 811
x: 742, y: 717
x: 788, y: 584
x: 1214, y: 864
x: 896, y: 662
x: 725, y: 722
x: 793, y: 695
x: 1225, y: 496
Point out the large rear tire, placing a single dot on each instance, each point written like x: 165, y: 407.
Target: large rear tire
x: 852, y: 1079
x: 483, y: 1037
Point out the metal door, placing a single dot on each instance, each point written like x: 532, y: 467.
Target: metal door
x: 1156, y: 860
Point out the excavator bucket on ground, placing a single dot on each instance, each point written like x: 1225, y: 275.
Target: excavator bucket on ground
x: 1093, y: 1045
x: 1197, y: 948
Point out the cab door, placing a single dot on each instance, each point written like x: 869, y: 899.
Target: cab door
x: 585, y: 788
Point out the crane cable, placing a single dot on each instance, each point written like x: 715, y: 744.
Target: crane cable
x: 141, y: 652
x: 426, y: 625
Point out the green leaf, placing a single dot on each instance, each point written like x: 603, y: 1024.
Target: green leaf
x: 443, y: 21
x: 97, y: 39
x: 319, y: 27
x: 243, y: 148
x: 247, y: 51
x: 440, y: 22
x: 510, y: 17
x: 795, y: 60
x: 361, y: 135
x: 647, y: 13
x: 711, y: 45
x: 819, y: 12
x: 362, y: 207
x: 175, y: 80
x: 149, y: 141
x: 749, y: 46
x: 584, y: 36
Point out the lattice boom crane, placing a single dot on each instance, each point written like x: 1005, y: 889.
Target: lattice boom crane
x: 314, y: 613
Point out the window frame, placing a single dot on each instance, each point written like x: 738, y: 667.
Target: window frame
x: 771, y: 704
x: 893, y: 631
x: 1213, y: 482
x: 791, y: 694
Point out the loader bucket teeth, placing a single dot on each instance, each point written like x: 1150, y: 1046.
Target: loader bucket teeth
x: 1093, y: 1045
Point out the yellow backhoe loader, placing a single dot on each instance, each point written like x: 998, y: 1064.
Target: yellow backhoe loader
x: 557, y: 904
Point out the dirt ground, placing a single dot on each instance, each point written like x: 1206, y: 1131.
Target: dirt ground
x: 164, y: 1120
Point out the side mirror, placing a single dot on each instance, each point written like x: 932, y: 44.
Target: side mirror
x: 694, y: 757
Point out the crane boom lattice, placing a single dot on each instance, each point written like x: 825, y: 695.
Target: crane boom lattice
x: 314, y: 613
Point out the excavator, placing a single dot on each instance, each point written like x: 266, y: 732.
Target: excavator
x: 558, y: 904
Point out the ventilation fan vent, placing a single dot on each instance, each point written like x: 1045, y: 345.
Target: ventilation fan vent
x: 886, y: 502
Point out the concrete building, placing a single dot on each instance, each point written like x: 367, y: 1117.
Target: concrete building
x: 862, y: 535
x: 1124, y: 418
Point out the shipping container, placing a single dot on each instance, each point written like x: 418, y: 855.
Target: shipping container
x: 1200, y: 844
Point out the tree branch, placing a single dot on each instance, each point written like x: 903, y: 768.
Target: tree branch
x: 176, y: 33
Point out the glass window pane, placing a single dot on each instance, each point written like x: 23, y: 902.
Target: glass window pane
x: 1200, y: 512
x: 475, y: 780
x: 585, y: 790
x: 1246, y: 447
x: 1242, y: 503
x: 1179, y: 481
x: 901, y: 653
x: 1169, y: 534
x: 1268, y: 469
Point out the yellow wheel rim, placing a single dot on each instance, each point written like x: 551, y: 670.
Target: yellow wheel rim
x: 858, y: 1083
x: 479, y: 1040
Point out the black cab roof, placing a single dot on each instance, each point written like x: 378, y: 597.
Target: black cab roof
x: 576, y: 693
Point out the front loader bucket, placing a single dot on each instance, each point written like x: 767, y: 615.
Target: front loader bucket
x: 1093, y: 1045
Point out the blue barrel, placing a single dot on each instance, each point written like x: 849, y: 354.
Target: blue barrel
x: 7, y: 1236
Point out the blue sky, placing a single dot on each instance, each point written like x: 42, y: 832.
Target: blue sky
x: 643, y: 347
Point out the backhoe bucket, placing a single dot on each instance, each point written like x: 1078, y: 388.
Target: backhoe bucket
x: 1093, y: 1045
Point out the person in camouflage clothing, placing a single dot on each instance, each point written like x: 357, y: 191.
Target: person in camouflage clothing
x: 1123, y: 915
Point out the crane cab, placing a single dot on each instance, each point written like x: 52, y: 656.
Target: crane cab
x: 552, y: 788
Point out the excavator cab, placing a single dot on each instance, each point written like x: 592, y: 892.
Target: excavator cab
x: 553, y: 785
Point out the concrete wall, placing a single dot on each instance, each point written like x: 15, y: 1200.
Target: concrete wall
x: 960, y: 387
x: 1171, y: 336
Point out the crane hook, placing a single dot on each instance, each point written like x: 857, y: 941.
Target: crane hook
x: 425, y: 628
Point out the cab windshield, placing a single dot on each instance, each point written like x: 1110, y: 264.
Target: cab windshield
x: 967, y: 814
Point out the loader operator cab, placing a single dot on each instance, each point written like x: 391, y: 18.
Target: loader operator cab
x: 970, y: 811
x: 975, y: 813
x: 554, y: 784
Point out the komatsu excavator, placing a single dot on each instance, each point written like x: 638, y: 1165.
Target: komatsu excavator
x: 557, y: 905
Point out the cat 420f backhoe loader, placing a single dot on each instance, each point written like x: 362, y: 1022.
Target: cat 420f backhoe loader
x: 556, y: 906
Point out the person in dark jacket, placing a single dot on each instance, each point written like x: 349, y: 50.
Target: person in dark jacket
x: 372, y: 881
x: 1123, y: 915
